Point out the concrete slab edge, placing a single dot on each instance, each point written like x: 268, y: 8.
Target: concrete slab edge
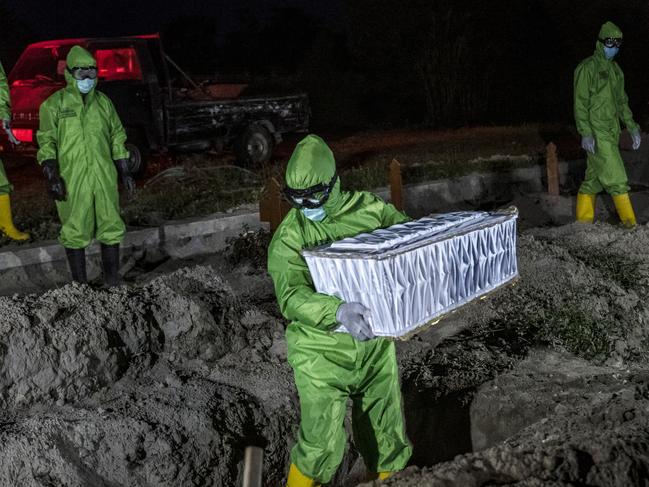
x: 168, y: 237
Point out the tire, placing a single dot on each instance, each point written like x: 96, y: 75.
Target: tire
x: 254, y: 147
x: 139, y: 152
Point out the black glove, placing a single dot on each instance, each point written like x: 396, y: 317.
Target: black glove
x: 56, y: 186
x: 125, y: 175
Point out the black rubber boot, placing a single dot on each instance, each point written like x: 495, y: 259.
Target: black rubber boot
x: 77, y: 263
x: 110, y: 262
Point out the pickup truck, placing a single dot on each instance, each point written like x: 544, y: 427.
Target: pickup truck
x: 135, y: 73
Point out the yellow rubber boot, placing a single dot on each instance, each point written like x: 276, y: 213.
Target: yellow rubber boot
x: 585, y: 207
x: 298, y: 479
x: 379, y: 475
x: 7, y: 222
x: 624, y: 210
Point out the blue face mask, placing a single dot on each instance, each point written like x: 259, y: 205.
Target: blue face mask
x: 85, y: 85
x: 610, y: 52
x: 315, y: 214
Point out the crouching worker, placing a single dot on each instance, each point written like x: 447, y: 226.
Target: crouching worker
x: 6, y: 220
x: 331, y: 367
x: 81, y: 150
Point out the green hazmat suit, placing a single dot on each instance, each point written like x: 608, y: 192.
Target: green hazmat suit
x: 600, y: 104
x: 5, y: 114
x: 331, y: 367
x: 85, y: 136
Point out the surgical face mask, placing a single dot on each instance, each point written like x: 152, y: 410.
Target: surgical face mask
x: 314, y: 214
x: 85, y: 85
x: 610, y: 52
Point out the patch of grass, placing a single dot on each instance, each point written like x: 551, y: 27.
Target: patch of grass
x: 190, y: 190
x: 365, y: 178
x: 376, y: 174
x: 532, y: 318
x: 624, y: 271
x: 571, y: 328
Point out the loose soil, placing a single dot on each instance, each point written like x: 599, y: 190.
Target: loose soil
x: 166, y: 381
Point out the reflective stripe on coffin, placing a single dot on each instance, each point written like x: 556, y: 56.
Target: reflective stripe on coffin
x: 413, y: 273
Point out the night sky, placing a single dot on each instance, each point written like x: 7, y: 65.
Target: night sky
x: 443, y: 63
x: 61, y: 18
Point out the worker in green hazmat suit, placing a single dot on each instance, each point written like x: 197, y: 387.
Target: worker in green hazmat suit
x: 81, y: 150
x: 600, y: 104
x: 331, y: 366
x: 6, y: 220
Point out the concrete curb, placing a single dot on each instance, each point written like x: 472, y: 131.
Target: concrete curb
x: 43, y: 265
x: 476, y: 189
x: 177, y: 239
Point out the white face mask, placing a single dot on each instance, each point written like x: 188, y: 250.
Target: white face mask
x: 315, y: 214
x: 610, y: 52
x: 85, y: 85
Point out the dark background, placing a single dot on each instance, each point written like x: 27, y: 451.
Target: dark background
x: 372, y: 63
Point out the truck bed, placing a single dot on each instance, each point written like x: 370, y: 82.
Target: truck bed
x: 193, y: 120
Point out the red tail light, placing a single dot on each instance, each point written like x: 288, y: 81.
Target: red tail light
x: 118, y: 64
x: 24, y: 135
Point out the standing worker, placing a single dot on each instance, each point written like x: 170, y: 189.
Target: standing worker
x: 600, y: 104
x: 81, y: 149
x: 6, y: 220
x: 329, y: 366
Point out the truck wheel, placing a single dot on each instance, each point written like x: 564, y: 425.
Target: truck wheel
x: 254, y: 147
x: 139, y: 153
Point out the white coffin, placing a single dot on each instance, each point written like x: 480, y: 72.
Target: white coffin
x: 410, y: 274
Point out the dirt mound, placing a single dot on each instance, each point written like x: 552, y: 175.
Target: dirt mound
x: 582, y: 293
x: 587, y: 426
x: 71, y: 342
x: 141, y: 386
x: 166, y: 382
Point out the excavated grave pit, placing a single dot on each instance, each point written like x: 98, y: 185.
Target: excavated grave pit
x: 165, y: 382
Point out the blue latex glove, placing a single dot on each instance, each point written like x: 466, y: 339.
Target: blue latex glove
x: 635, y: 137
x: 6, y: 125
x: 355, y: 318
x: 588, y: 143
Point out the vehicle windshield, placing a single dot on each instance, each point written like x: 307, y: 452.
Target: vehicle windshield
x: 40, y: 65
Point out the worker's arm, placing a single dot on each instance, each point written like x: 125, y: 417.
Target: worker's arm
x: 47, y: 134
x: 389, y: 214
x: 5, y: 101
x: 117, y: 133
x: 623, y: 106
x: 294, y: 289
x: 582, y: 80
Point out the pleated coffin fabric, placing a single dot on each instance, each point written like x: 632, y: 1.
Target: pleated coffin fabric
x: 412, y: 273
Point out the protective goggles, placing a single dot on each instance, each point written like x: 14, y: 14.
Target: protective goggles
x: 612, y: 42
x: 313, y: 197
x: 80, y: 73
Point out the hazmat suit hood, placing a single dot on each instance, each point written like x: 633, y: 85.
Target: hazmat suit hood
x: 312, y: 163
x: 79, y: 57
x: 609, y: 29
